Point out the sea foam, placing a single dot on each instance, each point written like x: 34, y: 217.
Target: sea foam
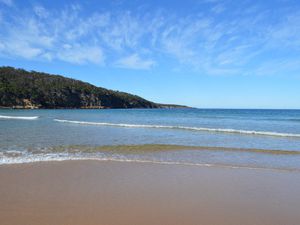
x: 59, y: 158
x: 19, y: 117
x: 219, y: 130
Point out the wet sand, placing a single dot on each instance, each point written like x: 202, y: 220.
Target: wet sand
x: 115, y: 193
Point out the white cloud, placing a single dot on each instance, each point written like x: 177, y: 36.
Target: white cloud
x: 22, y: 49
x: 34, y: 38
x: 123, y: 31
x: 218, y: 8
x: 82, y: 55
x: 271, y: 67
x: 196, y: 41
x: 7, y: 2
x: 134, y: 62
x: 40, y: 11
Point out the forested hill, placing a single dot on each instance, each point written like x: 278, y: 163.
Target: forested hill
x: 23, y: 89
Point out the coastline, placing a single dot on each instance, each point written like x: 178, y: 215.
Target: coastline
x: 106, y: 192
x: 160, y: 106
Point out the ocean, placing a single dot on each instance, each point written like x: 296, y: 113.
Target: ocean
x: 235, y: 138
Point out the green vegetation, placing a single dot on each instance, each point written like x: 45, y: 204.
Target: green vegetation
x: 23, y: 89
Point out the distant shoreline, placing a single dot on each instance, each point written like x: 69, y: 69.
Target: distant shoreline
x: 93, y: 108
x: 23, y: 89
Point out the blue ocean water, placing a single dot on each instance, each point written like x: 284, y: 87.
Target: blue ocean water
x: 33, y: 135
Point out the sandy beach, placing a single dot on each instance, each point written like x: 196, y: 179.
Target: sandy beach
x: 113, y: 193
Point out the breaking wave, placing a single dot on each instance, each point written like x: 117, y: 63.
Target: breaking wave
x: 19, y: 117
x: 60, y: 158
x: 152, y: 153
x: 219, y: 130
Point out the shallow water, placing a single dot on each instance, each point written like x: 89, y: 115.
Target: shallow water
x: 35, y: 135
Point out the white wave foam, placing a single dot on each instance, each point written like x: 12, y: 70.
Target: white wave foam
x: 219, y: 130
x: 32, y: 159
x: 19, y: 117
x: 60, y: 158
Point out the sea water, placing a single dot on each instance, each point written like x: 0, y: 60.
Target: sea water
x: 200, y: 137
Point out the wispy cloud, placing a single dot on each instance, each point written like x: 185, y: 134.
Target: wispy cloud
x: 40, y: 11
x: 7, y: 2
x: 134, y: 62
x: 219, y: 8
x: 41, y: 39
x: 80, y: 54
x: 139, y: 39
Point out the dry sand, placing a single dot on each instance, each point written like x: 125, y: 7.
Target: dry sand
x: 115, y: 193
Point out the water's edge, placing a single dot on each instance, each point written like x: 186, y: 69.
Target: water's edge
x: 137, y: 153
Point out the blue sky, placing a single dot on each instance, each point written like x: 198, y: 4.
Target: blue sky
x: 201, y: 53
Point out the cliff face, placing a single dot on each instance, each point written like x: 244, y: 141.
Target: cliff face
x: 23, y: 89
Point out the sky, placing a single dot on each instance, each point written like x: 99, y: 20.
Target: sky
x: 200, y: 53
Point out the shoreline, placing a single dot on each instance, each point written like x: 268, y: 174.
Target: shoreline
x: 92, y: 108
x: 93, y: 192
x: 152, y: 162
x: 138, y: 154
